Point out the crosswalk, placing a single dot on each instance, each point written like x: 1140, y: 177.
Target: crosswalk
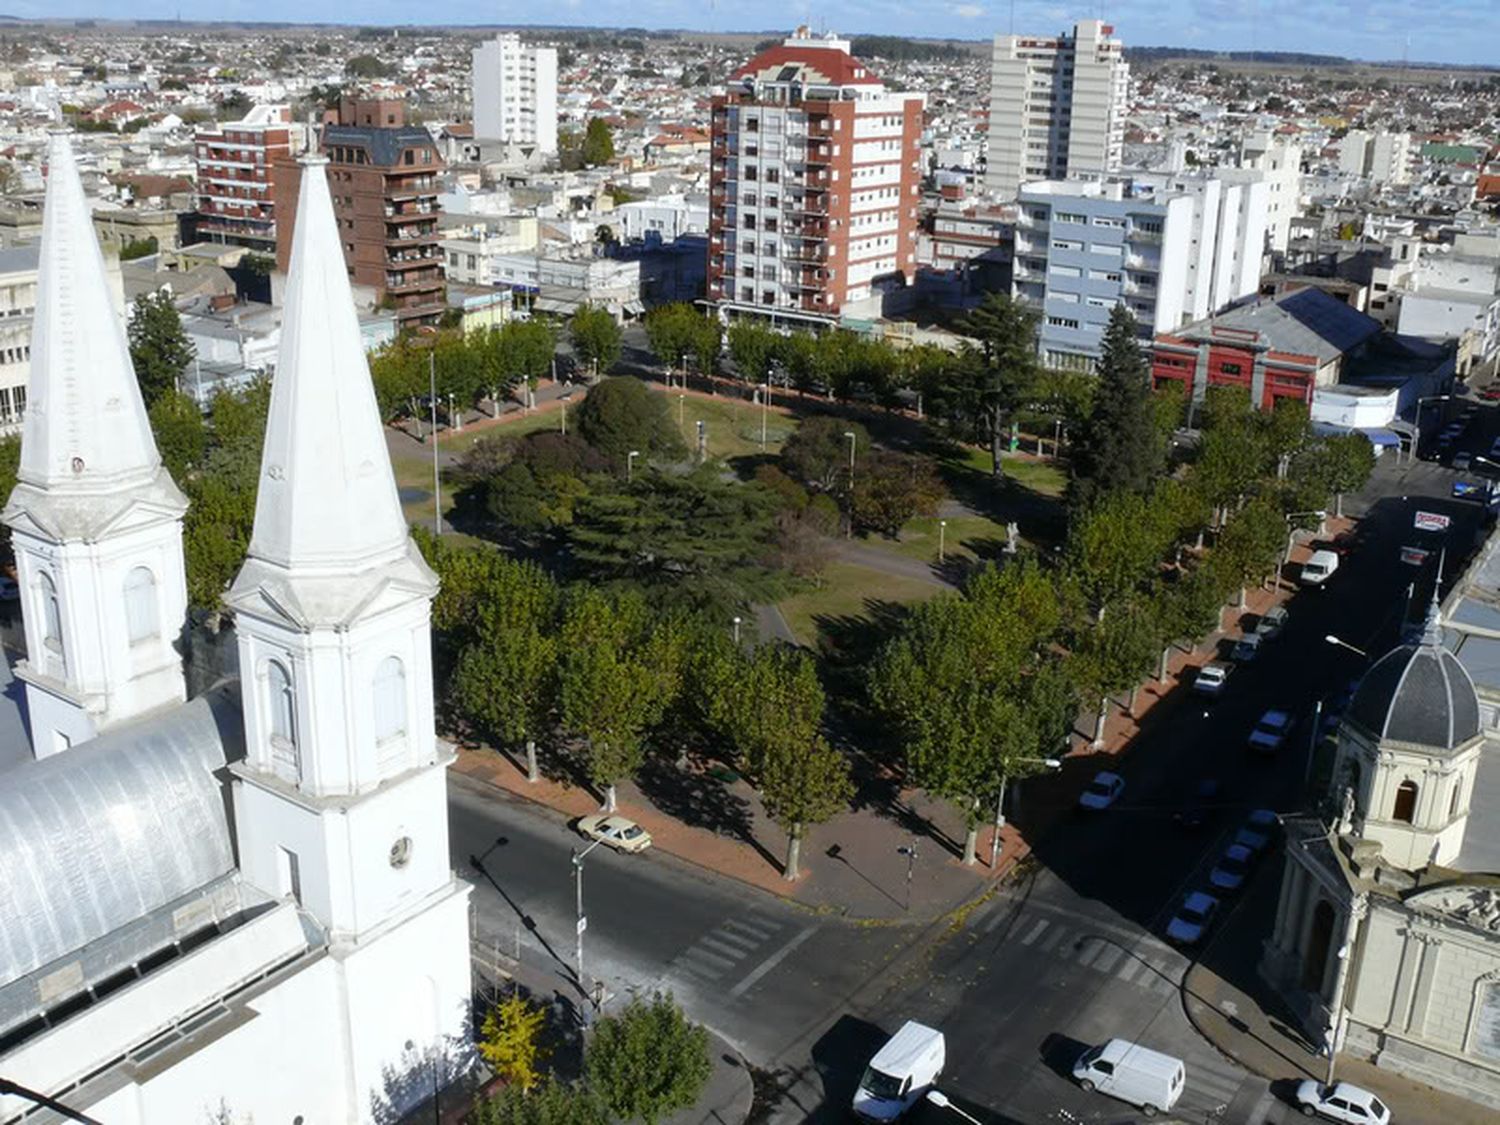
x: 1138, y: 960
x: 738, y: 953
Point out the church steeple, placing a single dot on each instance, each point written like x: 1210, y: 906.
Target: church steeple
x: 86, y: 430
x: 328, y: 522
x: 96, y: 519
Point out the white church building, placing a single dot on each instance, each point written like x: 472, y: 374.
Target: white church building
x: 237, y: 907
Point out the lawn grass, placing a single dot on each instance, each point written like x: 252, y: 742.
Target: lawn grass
x: 1046, y: 478
x: 919, y: 538
x: 846, y: 596
x: 733, y: 424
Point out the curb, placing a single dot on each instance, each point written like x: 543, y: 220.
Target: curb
x: 983, y: 888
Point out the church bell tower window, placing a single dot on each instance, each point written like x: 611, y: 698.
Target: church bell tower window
x: 52, y: 624
x: 281, y: 699
x: 140, y: 605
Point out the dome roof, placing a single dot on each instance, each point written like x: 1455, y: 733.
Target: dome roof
x: 1420, y: 694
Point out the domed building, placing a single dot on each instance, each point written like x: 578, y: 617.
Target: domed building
x: 1387, y: 933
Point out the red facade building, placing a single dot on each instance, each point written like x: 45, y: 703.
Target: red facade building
x: 237, y: 177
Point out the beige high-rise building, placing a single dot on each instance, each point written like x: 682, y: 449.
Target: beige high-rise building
x: 1057, y: 107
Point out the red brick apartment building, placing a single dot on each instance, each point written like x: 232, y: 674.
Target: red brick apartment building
x: 237, y: 174
x: 1282, y: 348
x: 814, y: 185
x: 383, y: 175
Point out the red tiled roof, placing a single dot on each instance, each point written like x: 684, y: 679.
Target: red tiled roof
x: 834, y: 65
x: 466, y: 129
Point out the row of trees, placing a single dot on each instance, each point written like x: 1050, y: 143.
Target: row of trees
x: 470, y: 367
x: 983, y: 685
x: 615, y: 674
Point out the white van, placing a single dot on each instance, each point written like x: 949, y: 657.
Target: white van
x: 901, y: 1073
x: 1319, y: 568
x: 1132, y: 1073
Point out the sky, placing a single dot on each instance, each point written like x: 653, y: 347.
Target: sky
x: 1444, y: 31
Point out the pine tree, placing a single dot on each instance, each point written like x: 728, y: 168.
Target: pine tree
x: 1121, y: 449
x: 159, y: 348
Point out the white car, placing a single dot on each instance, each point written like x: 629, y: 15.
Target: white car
x: 1343, y: 1102
x: 1192, y: 919
x: 1233, y: 868
x: 616, y: 832
x: 1271, y: 623
x: 1102, y: 792
x: 1211, y: 679
x: 1271, y: 731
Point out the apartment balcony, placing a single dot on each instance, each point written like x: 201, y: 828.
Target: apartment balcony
x: 1030, y: 222
x: 409, y: 212
x: 1148, y: 237
x: 806, y: 253
x: 1142, y: 263
x: 819, y: 127
x: 397, y: 284
x: 411, y: 259
x: 412, y: 234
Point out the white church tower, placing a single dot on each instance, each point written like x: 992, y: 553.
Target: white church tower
x: 96, y: 520
x: 341, y: 801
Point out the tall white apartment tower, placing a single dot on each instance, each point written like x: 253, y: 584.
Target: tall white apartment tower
x: 1057, y: 107
x: 515, y: 94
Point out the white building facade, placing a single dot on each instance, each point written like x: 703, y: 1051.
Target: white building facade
x: 1057, y: 107
x: 515, y: 94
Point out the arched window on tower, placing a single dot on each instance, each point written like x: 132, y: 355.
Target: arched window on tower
x: 140, y: 605
x: 52, y: 639
x: 281, y: 705
x: 389, y: 690
x: 1406, y: 802
x: 1453, y: 799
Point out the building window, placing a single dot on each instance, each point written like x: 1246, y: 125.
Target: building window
x: 1458, y: 789
x: 281, y: 703
x: 390, y: 700
x: 1230, y: 368
x: 140, y: 605
x: 51, y: 616
x: 1406, y: 802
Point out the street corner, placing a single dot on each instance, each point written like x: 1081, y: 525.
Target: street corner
x: 729, y: 1095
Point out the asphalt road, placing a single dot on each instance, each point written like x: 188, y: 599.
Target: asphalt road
x: 1069, y: 957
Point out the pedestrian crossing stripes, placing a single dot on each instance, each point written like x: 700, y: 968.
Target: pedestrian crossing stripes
x: 722, y: 957
x: 1147, y: 965
x: 1211, y: 1081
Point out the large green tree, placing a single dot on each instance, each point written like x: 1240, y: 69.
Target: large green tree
x: 1120, y: 448
x: 550, y: 1102
x: 817, y: 453
x: 678, y: 331
x: 621, y: 414
x: 693, y: 539
x: 596, y: 337
x: 754, y: 347
x: 988, y: 382
x: 159, y: 348
x: 598, y: 142
x: 891, y: 488
x: 648, y: 1061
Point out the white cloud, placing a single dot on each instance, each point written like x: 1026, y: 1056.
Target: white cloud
x: 969, y: 11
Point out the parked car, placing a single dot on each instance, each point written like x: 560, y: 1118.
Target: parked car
x: 1342, y: 1102
x: 1490, y: 394
x: 1192, y: 919
x: 1271, y: 731
x: 1132, y: 1073
x: 1196, y: 813
x: 616, y: 832
x: 1319, y: 568
x: 1271, y: 623
x: 1259, y: 830
x: 1102, y: 792
x: 901, y: 1073
x: 1461, y: 460
x: 1211, y: 679
x: 1246, y: 649
x: 1233, y: 868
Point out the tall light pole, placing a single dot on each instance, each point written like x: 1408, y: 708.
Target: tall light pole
x: 910, y: 852
x: 581, y: 924
x: 1341, y: 643
x: 1048, y: 763
x: 765, y: 400
x: 850, y: 435
x: 940, y: 1099
x: 630, y: 465
x: 736, y: 629
x: 437, y: 483
x: 681, y: 406
x: 942, y: 537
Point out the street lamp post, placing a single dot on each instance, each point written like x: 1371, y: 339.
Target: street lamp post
x: 942, y: 537
x: 1049, y: 763
x: 736, y: 628
x: 681, y: 406
x: 940, y: 1099
x: 437, y: 482
x: 581, y: 924
x: 765, y: 399
x: 850, y: 435
x: 1341, y: 643
x: 630, y: 465
x: 910, y: 852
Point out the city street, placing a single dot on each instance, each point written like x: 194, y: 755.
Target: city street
x: 1067, y: 955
